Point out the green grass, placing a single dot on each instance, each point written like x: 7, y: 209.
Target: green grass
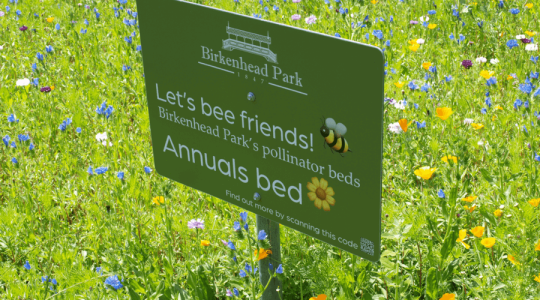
x: 66, y: 223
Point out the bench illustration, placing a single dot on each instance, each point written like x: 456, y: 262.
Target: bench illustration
x: 245, y: 41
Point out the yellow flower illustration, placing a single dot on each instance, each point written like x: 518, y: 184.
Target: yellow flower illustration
x: 497, y: 213
x: 449, y: 157
x: 513, y: 260
x: 477, y: 126
x: 321, y: 193
x: 448, y: 296
x: 399, y: 84
x: 487, y: 74
x: 488, y: 242
x: 534, y: 202
x: 444, y: 112
x: 205, y: 243
x: 432, y: 26
x: 478, y: 231
x: 425, y: 172
x: 470, y: 198
x: 462, y: 236
x: 158, y: 200
x: 426, y: 65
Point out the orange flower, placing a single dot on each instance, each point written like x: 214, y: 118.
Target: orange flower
x: 50, y: 19
x: 261, y: 254
x: 449, y: 157
x: 470, y: 209
x: 425, y: 172
x: 399, y: 84
x: 537, y: 246
x: 497, y: 213
x: 478, y: 231
x: 462, y: 236
x: 444, y: 112
x: 469, y: 199
x: 488, y: 242
x: 403, y: 124
x: 320, y: 297
x: 448, y: 297
x: 509, y: 77
x: 426, y: 65
x: 534, y: 202
x: 205, y: 243
x: 513, y: 260
x: 432, y: 26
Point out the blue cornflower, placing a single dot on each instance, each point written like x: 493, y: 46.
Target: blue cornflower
x: 491, y: 81
x: 126, y: 21
x: 387, y: 43
x: 125, y: 68
x: 138, y: 48
x: 448, y: 78
x: 31, y: 147
x: 147, y: 170
x: 54, y: 281
x: 525, y: 129
x: 526, y: 104
x: 537, y: 93
x: 49, y: 49
x: 128, y: 39
x: 367, y: 36
x: 420, y: 125
x: 8, y: 9
x: 441, y: 194
x: 451, y: 36
x: 270, y: 266
x: 279, y: 269
x: 78, y: 130
x: 517, y: 104
x: 120, y: 175
x: 231, y: 245
x: 27, y: 265
x: 99, y: 270
x: 243, y: 273
x: 536, y: 157
x: 525, y: 88
x: 378, y: 34
x: 433, y: 69
x: 234, y: 258
x: 514, y: 11
x: 101, y: 170
x: 34, y: 67
x: 248, y: 268
x: 114, y: 282
x: 97, y: 15
x: 534, y: 59
x: 501, y: 4
x: 262, y: 235
x: 57, y: 27
x: 483, y: 110
x: 134, y: 14
x: 341, y: 10
x: 391, y: 18
x: 122, y: 1
x: 236, y: 292
x: 337, y: 35
x: 413, y: 86
x: 534, y: 75
x: 18, y: 12
x: 44, y: 279
x: 243, y: 216
x: 431, y: 12
x: 133, y: 22
x: 14, y: 160
x: 84, y: 30
x: 236, y: 226
x: 13, y: 145
x: 23, y: 138
x: 12, y: 118
x: 488, y: 102
x: 246, y: 227
x: 461, y: 37
x: 266, y: 8
x: 86, y: 22
x: 39, y: 56
x: 425, y: 88
x: 480, y: 24
x: 64, y: 124
x: 512, y: 43
x: 35, y: 81
x: 455, y: 13
x: 427, y: 76
x: 416, y: 105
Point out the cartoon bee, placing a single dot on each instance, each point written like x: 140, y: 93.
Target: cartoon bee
x: 333, y: 135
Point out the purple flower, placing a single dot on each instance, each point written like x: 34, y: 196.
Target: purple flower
x: 466, y: 64
x: 525, y: 41
x: 196, y: 224
x: 296, y: 17
x: 23, y: 28
x: 45, y: 89
x: 413, y: 22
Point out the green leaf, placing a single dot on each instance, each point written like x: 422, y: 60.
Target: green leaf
x: 385, y: 262
x: 431, y: 283
x: 449, y: 243
x: 136, y: 287
x: 133, y: 295
x: 486, y: 176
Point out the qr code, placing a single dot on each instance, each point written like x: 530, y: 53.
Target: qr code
x: 367, y: 246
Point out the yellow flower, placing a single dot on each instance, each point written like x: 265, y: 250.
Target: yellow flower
x: 444, y: 112
x: 205, y: 243
x: 414, y: 47
x: 498, y: 107
x: 426, y: 65
x: 537, y: 278
x: 261, y: 254
x: 320, y: 297
x: 470, y: 209
x: 488, y: 242
x: 159, y: 199
x: 513, y: 260
x: 534, y: 202
x: 530, y: 33
x: 374, y: 1
x: 478, y: 231
x: 449, y: 157
x: 477, y: 126
x: 509, y: 77
x: 537, y: 246
x: 425, y: 172
x: 52, y: 87
x: 50, y: 19
x: 529, y: 5
x: 399, y: 84
x: 487, y: 74
x: 493, y: 118
x: 462, y: 236
x: 432, y: 26
x: 321, y: 193
x: 448, y: 297
x: 497, y: 213
x: 403, y: 124
x: 470, y: 198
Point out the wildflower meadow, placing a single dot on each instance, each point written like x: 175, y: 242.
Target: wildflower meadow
x: 84, y: 215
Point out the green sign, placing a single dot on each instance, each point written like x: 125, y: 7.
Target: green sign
x: 280, y: 121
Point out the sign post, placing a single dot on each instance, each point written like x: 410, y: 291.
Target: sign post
x: 240, y: 105
x: 272, y: 230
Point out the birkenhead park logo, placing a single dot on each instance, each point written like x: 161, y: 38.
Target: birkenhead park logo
x: 249, y: 42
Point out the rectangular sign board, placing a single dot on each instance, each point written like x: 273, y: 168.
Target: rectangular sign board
x: 281, y: 121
